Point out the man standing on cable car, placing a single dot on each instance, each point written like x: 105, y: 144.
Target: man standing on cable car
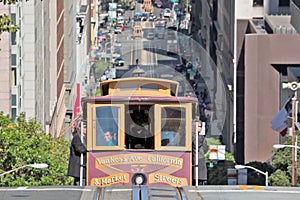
x: 77, y: 148
x: 202, y: 149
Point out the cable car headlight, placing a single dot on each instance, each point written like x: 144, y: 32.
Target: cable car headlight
x: 139, y: 179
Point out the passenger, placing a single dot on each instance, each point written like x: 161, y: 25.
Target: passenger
x: 202, y: 149
x: 109, y: 138
x: 77, y: 148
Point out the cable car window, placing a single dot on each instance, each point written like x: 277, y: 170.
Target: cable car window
x: 150, y: 87
x: 107, y: 126
x: 173, y: 126
x: 129, y: 87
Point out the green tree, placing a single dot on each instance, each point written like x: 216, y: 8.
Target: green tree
x: 255, y: 178
x: 282, y: 162
x: 279, y: 178
x: 23, y: 142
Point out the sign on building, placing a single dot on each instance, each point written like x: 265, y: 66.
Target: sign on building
x: 217, y: 152
x: 112, y: 11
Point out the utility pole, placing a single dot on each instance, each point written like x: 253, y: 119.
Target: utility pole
x: 294, y: 141
x: 294, y: 87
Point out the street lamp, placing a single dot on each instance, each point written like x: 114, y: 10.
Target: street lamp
x: 36, y: 165
x: 259, y: 171
x: 279, y: 146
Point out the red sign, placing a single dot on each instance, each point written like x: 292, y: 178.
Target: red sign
x: 119, y: 168
x: 76, y: 109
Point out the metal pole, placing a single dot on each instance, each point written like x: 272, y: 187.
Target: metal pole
x: 81, y: 155
x: 294, y: 142
x: 196, y: 154
x: 267, y: 176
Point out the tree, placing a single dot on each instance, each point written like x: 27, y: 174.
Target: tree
x: 23, y: 142
x: 255, y: 178
x: 282, y: 163
x: 279, y: 178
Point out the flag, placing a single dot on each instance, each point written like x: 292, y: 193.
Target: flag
x: 279, y: 122
x: 76, y: 109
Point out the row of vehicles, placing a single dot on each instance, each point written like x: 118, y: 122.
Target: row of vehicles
x: 172, y: 40
x: 144, y: 16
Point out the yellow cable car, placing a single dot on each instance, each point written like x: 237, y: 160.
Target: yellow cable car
x: 139, y: 132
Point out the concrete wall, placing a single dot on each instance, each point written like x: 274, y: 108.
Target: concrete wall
x: 5, y: 68
x: 262, y: 89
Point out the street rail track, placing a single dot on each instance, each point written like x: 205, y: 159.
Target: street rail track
x: 142, y: 193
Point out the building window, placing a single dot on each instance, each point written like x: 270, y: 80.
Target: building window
x: 13, y: 76
x: 14, y: 114
x: 284, y: 3
x: 14, y: 59
x: 13, y: 100
x: 13, y: 17
x: 258, y: 2
x: 13, y: 39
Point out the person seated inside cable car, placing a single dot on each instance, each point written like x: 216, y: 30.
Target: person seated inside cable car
x: 169, y: 138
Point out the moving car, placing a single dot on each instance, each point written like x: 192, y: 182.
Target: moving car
x: 119, y: 29
x: 119, y: 61
x: 179, y: 67
x: 167, y: 13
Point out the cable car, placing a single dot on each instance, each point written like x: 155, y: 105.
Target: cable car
x: 139, y: 132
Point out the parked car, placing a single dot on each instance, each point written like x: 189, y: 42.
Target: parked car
x: 117, y: 44
x: 167, y: 13
x: 161, y: 22
x: 118, y: 30
x: 159, y: 3
x: 152, y: 17
x: 120, y: 12
x: 121, y: 26
x: 119, y: 61
x: 101, y: 37
x: 179, y: 67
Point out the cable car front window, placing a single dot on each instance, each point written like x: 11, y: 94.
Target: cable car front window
x: 107, y: 126
x: 173, y: 126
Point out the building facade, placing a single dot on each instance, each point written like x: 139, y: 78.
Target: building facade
x: 7, y: 60
x: 36, y: 63
x: 254, y: 44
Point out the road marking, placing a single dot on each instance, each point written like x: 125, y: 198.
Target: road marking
x: 21, y: 188
x: 244, y: 187
x: 257, y: 187
x: 238, y: 191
